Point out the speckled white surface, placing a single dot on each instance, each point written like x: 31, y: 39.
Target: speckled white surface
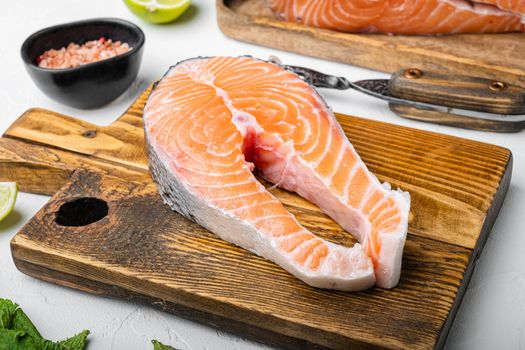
x: 492, y: 315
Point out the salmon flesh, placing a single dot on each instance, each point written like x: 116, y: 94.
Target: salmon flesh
x: 210, y: 121
x: 405, y: 16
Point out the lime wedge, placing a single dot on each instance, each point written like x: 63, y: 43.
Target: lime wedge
x: 158, y: 11
x: 8, y: 192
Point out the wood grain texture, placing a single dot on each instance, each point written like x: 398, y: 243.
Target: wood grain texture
x: 121, y: 142
x: 492, y: 56
x: 143, y: 251
x: 241, y: 328
x: 43, y: 169
x: 450, y: 175
x: 180, y: 261
x: 458, y: 91
x: 452, y: 119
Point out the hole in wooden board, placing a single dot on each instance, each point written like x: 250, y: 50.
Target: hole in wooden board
x: 81, y: 212
x: 89, y: 134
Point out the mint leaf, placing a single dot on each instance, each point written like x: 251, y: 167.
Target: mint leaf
x: 7, y: 312
x: 17, y: 332
x: 157, y: 345
x: 19, y: 340
x: 12, y: 317
x: 20, y: 321
x: 11, y: 339
x: 76, y: 342
x: 44, y: 344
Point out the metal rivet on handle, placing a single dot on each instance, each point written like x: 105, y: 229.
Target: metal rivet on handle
x: 497, y: 86
x: 413, y: 73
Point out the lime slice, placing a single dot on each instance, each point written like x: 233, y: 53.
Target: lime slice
x: 8, y: 192
x: 158, y: 11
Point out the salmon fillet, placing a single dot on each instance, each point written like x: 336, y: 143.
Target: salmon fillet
x: 210, y: 121
x: 515, y: 6
x: 405, y: 16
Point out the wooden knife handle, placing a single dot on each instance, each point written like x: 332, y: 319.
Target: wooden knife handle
x: 458, y: 91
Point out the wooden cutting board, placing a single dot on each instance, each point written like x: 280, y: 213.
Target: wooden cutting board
x: 106, y: 231
x: 493, y: 56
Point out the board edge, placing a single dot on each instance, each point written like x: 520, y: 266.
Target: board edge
x: 488, y: 223
x: 456, y: 64
x: 242, y: 329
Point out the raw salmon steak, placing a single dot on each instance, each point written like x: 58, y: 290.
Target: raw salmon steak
x: 516, y: 6
x: 210, y: 121
x: 405, y: 16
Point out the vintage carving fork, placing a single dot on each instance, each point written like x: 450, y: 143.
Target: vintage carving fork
x: 461, y: 101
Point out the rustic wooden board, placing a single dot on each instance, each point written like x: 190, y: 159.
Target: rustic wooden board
x: 494, y: 56
x: 142, y: 251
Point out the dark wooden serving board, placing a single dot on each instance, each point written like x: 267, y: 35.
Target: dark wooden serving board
x: 143, y: 251
x: 493, y: 56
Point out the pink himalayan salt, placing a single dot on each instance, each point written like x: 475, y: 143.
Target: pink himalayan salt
x: 77, y: 55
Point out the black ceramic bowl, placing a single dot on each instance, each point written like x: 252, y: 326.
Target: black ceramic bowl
x: 94, y: 84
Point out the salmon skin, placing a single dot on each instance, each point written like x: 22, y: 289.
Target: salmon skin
x: 409, y: 17
x: 210, y: 121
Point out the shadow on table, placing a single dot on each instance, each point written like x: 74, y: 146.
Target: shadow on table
x: 10, y: 221
x: 188, y: 15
